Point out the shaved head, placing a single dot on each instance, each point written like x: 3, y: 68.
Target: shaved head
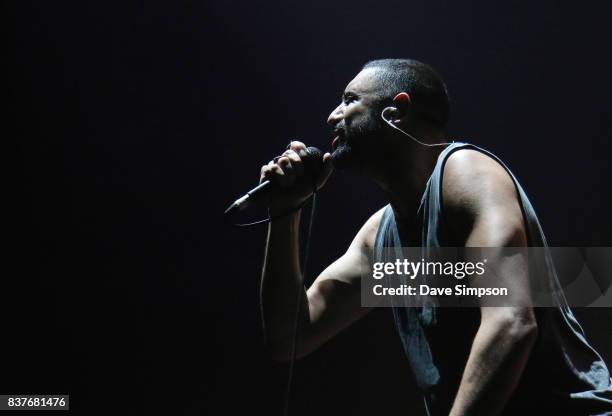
x: 427, y: 90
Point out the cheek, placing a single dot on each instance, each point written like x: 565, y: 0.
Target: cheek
x: 356, y: 118
x: 365, y: 122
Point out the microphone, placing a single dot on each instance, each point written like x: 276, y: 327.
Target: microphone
x: 313, y: 166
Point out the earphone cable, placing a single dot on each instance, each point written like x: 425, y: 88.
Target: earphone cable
x: 382, y: 115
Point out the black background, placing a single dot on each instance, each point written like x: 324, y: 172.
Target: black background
x: 136, y: 123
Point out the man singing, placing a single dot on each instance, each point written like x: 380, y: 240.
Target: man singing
x: 391, y: 126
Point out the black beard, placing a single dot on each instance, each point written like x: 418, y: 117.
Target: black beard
x: 357, y: 145
x: 346, y: 156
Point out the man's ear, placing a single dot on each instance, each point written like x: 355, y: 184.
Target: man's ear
x: 401, y: 100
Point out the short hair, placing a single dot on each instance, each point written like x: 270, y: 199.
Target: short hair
x: 426, y: 88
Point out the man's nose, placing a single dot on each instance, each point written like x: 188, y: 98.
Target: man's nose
x: 335, y: 116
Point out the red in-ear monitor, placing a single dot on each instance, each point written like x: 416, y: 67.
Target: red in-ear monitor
x: 399, y: 100
x: 402, y: 98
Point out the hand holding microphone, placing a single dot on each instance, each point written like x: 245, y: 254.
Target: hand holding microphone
x: 294, y: 175
x: 288, y: 180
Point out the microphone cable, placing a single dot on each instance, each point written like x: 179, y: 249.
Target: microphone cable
x: 270, y: 218
x: 298, y: 304
x: 300, y: 288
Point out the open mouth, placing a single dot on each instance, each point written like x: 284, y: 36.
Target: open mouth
x: 338, y: 139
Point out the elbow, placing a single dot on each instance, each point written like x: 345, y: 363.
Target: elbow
x: 524, y: 333
x: 524, y: 324
x: 516, y: 325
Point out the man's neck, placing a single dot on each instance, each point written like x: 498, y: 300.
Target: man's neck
x: 404, y: 174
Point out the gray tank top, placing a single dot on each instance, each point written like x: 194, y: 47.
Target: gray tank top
x: 564, y: 374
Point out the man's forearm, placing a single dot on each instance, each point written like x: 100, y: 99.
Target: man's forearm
x: 497, y: 359
x: 280, y: 285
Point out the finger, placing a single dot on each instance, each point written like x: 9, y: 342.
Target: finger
x: 288, y: 176
x: 270, y: 170
x: 296, y: 162
x: 282, y: 161
x: 296, y: 146
x: 263, y: 175
x: 278, y: 175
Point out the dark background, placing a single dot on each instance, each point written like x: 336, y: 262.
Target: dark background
x: 136, y: 123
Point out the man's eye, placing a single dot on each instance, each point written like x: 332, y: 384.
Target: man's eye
x: 349, y: 99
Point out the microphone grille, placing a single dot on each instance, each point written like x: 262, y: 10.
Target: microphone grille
x: 313, y: 162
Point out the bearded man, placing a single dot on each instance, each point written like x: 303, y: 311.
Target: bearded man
x: 391, y: 126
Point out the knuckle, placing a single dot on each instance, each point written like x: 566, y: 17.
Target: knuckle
x: 294, y: 157
x: 297, y: 145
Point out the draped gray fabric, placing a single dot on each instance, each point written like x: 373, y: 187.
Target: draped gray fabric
x: 564, y: 374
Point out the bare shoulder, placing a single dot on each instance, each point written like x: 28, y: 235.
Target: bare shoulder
x: 367, y: 234
x: 348, y: 268
x: 472, y: 178
x: 370, y: 228
x: 476, y: 189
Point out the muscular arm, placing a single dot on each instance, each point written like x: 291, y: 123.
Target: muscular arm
x: 481, y: 200
x: 330, y: 304
x: 280, y: 284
